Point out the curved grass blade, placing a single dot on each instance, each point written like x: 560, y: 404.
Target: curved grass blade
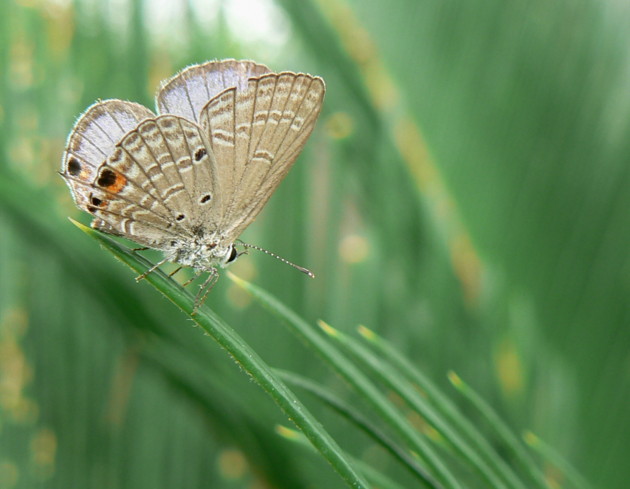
x: 358, y: 420
x: 379, y: 480
x: 557, y: 460
x: 358, y: 380
x: 492, y: 473
x: 446, y: 410
x: 243, y: 354
x: 511, y: 442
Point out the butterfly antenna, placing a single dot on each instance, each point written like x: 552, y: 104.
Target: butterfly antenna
x: 283, y: 260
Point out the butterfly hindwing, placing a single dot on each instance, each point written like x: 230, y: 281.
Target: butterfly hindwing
x: 93, y: 140
x: 189, y: 91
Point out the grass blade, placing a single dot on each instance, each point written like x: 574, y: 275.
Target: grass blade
x: 379, y: 480
x: 557, y: 460
x: 511, y: 442
x: 246, y: 358
x: 394, y: 372
x: 358, y: 420
x: 359, y: 381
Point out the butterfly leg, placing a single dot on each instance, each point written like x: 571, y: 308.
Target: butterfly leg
x: 194, y: 277
x: 175, y: 271
x: 152, y: 269
x: 205, y: 289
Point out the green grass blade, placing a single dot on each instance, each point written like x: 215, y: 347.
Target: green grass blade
x: 510, y: 441
x: 358, y: 420
x: 244, y: 356
x: 377, y: 478
x: 441, y: 412
x: 572, y: 475
x: 358, y: 380
x: 391, y: 377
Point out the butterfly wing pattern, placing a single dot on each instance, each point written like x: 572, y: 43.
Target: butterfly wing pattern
x: 189, y: 179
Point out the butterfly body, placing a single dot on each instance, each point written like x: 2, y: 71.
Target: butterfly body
x: 189, y: 179
x: 201, y: 253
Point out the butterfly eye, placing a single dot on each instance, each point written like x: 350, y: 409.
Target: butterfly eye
x: 233, y: 255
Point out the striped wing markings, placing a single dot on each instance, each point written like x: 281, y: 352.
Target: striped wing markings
x: 278, y: 146
x: 218, y: 121
x: 177, y: 160
x: 155, y: 150
x: 219, y: 118
x: 149, y: 150
x: 104, y: 204
x: 264, y: 192
x: 198, y: 171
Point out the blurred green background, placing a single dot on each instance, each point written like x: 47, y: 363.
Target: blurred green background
x: 465, y: 194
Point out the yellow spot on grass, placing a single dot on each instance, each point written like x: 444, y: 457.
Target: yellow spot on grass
x: 9, y: 474
x: 288, y: 433
x: 15, y: 371
x: 509, y: 368
x: 530, y: 438
x: 329, y: 330
x: 339, y: 125
x: 423, y: 427
x: 367, y: 333
x: 232, y: 464
x: 354, y: 249
x: 43, y: 452
x: 467, y: 266
x: 455, y: 380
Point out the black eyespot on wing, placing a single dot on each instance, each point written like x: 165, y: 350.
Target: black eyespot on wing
x: 200, y: 153
x: 205, y: 198
x: 181, y: 217
x: 95, y: 204
x: 107, y: 178
x: 74, y: 167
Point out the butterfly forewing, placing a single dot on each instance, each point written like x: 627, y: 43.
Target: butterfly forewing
x: 282, y: 109
x: 218, y: 121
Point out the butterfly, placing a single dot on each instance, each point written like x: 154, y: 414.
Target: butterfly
x: 188, y: 180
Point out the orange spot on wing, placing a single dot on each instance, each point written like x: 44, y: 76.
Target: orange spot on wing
x: 118, y: 185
